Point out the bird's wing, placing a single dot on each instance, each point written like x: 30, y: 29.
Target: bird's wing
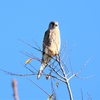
x: 46, y: 40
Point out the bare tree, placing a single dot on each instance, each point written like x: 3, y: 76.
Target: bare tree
x: 58, y: 71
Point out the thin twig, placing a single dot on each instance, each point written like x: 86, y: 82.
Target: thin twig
x: 69, y: 53
x: 84, y: 77
x: 53, y: 91
x: 62, y: 69
x: 31, y: 55
x: 76, y: 74
x: 28, y: 68
x: 30, y: 45
x: 63, y: 64
x: 56, y: 72
x: 89, y: 96
x: 33, y: 67
x: 24, y: 53
x: 71, y: 66
x: 14, y: 74
x: 38, y: 86
x: 57, y: 78
x: 37, y: 45
x: 81, y: 94
x: 84, y: 66
x: 63, y: 50
x: 80, y: 77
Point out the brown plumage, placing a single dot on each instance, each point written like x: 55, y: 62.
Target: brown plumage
x: 51, y: 45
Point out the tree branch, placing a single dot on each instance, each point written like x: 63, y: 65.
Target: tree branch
x: 14, y: 86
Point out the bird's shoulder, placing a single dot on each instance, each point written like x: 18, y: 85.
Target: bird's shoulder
x: 46, y: 35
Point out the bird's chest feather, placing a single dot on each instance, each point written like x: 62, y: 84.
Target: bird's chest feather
x: 54, y: 40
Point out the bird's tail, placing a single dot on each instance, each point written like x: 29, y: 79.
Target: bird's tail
x: 41, y: 70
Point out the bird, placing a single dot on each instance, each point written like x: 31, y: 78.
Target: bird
x: 51, y: 45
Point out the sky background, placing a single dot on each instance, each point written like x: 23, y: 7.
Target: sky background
x: 79, y: 23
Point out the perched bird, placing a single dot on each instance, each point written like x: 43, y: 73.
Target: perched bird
x: 51, y: 45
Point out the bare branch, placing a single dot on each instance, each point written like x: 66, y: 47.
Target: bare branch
x: 71, y: 66
x: 57, y: 78
x: 84, y: 77
x: 69, y: 89
x: 61, y: 72
x: 37, y: 86
x: 76, y: 74
x: 56, y: 72
x: 89, y: 96
x: 10, y: 73
x: 30, y: 45
x: 14, y: 86
x: 53, y: 91
x: 84, y: 66
x: 30, y: 55
x: 28, y: 69
x: 37, y: 45
x: 62, y: 69
x: 33, y: 67
x: 69, y: 53
x: 81, y: 94
x: 63, y: 50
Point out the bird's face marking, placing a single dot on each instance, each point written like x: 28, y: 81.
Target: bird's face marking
x: 53, y: 25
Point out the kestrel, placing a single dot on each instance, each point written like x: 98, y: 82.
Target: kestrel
x: 51, y: 45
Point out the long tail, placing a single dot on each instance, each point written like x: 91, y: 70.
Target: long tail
x: 41, y: 70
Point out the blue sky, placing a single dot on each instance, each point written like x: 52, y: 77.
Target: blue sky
x: 79, y: 23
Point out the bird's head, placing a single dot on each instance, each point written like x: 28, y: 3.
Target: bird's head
x: 53, y: 25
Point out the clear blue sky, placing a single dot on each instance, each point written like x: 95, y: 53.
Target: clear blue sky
x: 79, y: 22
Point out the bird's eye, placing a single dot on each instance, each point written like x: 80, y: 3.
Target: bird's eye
x: 56, y: 25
